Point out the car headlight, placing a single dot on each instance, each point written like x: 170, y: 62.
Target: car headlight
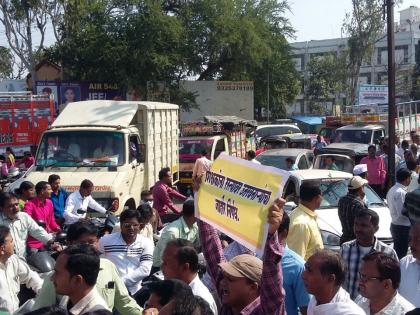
x: 330, y: 239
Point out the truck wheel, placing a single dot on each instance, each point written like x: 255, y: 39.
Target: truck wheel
x: 130, y: 204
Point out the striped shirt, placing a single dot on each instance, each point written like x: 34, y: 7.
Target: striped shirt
x: 133, y: 262
x: 352, y: 255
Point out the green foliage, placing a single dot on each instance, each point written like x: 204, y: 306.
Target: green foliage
x: 326, y: 79
x: 364, y: 27
x: 6, y: 63
x: 138, y: 41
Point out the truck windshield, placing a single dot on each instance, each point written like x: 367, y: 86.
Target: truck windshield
x: 81, y: 148
x: 354, y: 136
x: 190, y: 150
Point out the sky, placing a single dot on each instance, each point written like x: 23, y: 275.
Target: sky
x: 322, y: 19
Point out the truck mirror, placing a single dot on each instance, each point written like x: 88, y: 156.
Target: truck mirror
x: 141, y: 154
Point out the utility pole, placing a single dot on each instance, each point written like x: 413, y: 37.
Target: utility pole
x: 391, y: 90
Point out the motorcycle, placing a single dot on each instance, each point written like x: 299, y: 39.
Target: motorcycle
x: 105, y: 225
x: 14, y: 174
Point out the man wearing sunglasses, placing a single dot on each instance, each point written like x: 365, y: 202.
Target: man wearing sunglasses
x: 379, y: 279
x: 131, y: 252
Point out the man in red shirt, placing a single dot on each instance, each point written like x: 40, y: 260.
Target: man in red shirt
x: 163, y: 194
x: 376, y: 172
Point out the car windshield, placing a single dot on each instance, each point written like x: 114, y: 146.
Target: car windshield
x: 277, y: 130
x: 354, y: 136
x: 278, y: 161
x: 81, y: 148
x: 190, y: 150
x: 334, y: 189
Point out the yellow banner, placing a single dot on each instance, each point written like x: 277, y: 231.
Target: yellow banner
x: 235, y: 195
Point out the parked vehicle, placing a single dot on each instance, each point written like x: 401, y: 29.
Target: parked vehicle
x: 216, y: 134
x: 23, y: 119
x: 277, y: 158
x: 276, y: 130
x: 305, y: 141
x: 346, y: 155
x: 120, y: 146
x: 334, y: 185
x: 273, y: 142
x: 360, y: 133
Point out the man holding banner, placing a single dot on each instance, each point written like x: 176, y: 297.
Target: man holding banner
x: 246, y: 285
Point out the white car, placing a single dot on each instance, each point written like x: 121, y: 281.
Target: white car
x: 276, y: 130
x: 334, y: 186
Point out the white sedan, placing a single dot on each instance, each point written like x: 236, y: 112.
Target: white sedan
x: 333, y: 185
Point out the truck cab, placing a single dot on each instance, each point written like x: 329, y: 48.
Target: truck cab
x: 119, y: 146
x: 360, y: 133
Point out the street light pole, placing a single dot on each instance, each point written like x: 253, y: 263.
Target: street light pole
x: 391, y: 90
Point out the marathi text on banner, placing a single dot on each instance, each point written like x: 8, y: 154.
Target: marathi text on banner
x: 235, y: 196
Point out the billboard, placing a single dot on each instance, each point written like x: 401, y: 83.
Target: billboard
x: 65, y: 92
x: 373, y: 94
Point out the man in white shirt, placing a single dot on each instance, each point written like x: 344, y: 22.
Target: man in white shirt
x: 400, y: 224
x: 380, y: 277
x: 323, y: 276
x: 82, y: 199
x: 410, y: 269
x: 180, y: 261
x: 13, y: 273
x: 201, y: 166
x: 131, y: 252
x: 75, y: 273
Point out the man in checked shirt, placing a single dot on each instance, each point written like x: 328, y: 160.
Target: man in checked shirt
x: 246, y: 285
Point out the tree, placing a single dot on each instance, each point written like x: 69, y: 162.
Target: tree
x: 363, y: 26
x: 6, y: 63
x: 327, y: 79
x: 139, y: 41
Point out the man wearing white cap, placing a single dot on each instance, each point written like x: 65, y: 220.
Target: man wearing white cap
x: 360, y: 170
x: 349, y: 205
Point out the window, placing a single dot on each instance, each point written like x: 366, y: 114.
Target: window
x: 134, y: 147
x: 303, y: 164
x: 220, y: 147
x: 377, y: 135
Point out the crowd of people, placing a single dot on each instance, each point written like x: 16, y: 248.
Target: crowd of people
x: 118, y: 271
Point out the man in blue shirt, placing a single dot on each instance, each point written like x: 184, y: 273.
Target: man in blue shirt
x: 58, y: 197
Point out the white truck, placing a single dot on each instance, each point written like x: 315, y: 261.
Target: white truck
x: 120, y: 146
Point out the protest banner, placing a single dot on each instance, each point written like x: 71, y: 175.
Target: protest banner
x: 234, y: 197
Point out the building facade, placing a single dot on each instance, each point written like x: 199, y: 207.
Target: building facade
x: 374, y: 71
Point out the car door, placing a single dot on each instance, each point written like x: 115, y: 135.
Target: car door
x: 302, y: 162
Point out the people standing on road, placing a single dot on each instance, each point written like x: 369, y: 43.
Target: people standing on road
x: 27, y: 161
x: 246, y: 285
x: 376, y: 170
x: 360, y: 170
x: 25, y: 192
x: 319, y: 144
x: 185, y: 228
x: 414, y: 150
x: 385, y: 149
x: 147, y: 197
x: 10, y: 158
x: 410, y: 268
x: 21, y: 225
x: 13, y: 272
x: 81, y: 199
x: 250, y: 156
x: 380, y: 277
x: 180, y: 261
x: 400, y: 224
x: 366, y: 224
x: 408, y: 156
x: 75, y: 274
x: 41, y: 209
x: 323, y: 276
x: 109, y: 284
x: 350, y: 205
x: 304, y: 236
x: 131, y: 252
x: 201, y: 166
x: 405, y: 145
x: 412, y: 167
x: 163, y: 194
x: 4, y: 169
x: 330, y: 163
x: 58, y: 197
